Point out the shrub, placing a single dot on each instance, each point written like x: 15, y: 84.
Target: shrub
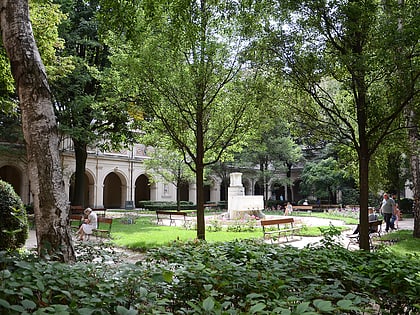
x: 239, y: 277
x: 14, y: 221
x: 166, y: 205
x: 406, y: 205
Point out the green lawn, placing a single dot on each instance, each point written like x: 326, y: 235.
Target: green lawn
x: 145, y: 233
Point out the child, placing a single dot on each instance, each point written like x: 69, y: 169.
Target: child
x: 396, y: 216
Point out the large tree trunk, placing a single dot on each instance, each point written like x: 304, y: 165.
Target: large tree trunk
x: 40, y: 132
x: 414, y: 139
x: 364, y: 196
x: 80, y: 150
x: 201, y: 223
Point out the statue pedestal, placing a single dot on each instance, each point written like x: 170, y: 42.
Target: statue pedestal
x: 240, y: 205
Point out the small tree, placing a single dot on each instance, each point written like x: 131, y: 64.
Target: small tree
x: 183, y: 63
x: 14, y: 222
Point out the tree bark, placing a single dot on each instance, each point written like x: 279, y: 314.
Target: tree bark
x: 40, y: 132
x: 80, y: 149
x: 414, y: 140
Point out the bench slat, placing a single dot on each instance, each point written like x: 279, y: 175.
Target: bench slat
x: 278, y: 223
x: 104, y: 233
x: 171, y: 215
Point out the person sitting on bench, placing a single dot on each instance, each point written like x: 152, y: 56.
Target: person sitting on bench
x: 88, y: 225
x: 372, y: 217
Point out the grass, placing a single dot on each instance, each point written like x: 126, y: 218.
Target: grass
x: 145, y: 233
x: 405, y: 244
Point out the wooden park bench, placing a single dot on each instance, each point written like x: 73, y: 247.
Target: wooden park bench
x: 375, y: 230
x: 75, y: 221
x: 100, y: 211
x: 76, y: 210
x: 171, y: 215
x: 211, y: 206
x: 303, y: 207
x: 283, y: 226
x: 104, y: 228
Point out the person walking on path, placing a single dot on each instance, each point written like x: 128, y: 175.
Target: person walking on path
x: 388, y: 209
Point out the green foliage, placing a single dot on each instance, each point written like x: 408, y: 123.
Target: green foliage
x: 46, y: 16
x: 167, y: 205
x: 406, y: 205
x: 322, y: 178
x: 237, y: 277
x: 14, y: 221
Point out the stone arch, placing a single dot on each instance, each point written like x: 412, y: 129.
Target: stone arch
x: 114, y: 187
x: 258, y: 189
x: 277, y: 190
x: 142, y: 190
x: 184, y: 191
x: 88, y: 194
x: 207, y: 194
x: 13, y: 175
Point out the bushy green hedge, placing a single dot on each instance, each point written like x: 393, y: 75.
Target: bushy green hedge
x: 166, y: 205
x: 13, y: 219
x: 406, y: 205
x: 240, y: 277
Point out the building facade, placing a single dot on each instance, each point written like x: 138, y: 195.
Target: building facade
x: 115, y: 180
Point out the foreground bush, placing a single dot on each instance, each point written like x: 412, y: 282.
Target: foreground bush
x: 14, y: 221
x: 241, y: 277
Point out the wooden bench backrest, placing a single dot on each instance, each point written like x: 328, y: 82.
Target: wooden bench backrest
x: 105, y: 220
x: 75, y: 217
x: 277, y: 221
x: 303, y: 207
x: 170, y: 212
x: 375, y: 225
x: 76, y: 209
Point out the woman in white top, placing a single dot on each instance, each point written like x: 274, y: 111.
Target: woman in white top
x: 88, y: 225
x: 289, y: 209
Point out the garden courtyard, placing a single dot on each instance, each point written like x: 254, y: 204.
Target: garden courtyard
x: 310, y: 222
x: 246, y: 275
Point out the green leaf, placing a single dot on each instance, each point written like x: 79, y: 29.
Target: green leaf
x: 208, y: 304
x: 254, y: 296
x: 27, y: 292
x: 164, y: 276
x: 17, y: 308
x: 121, y: 310
x: 40, y: 285
x: 4, y: 274
x: 168, y: 276
x: 257, y: 308
x: 28, y: 304
x: 4, y: 303
x: 86, y: 311
x: 303, y: 308
x: 323, y: 306
x: 345, y: 304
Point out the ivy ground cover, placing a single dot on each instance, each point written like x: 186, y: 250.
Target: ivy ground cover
x: 237, y: 277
